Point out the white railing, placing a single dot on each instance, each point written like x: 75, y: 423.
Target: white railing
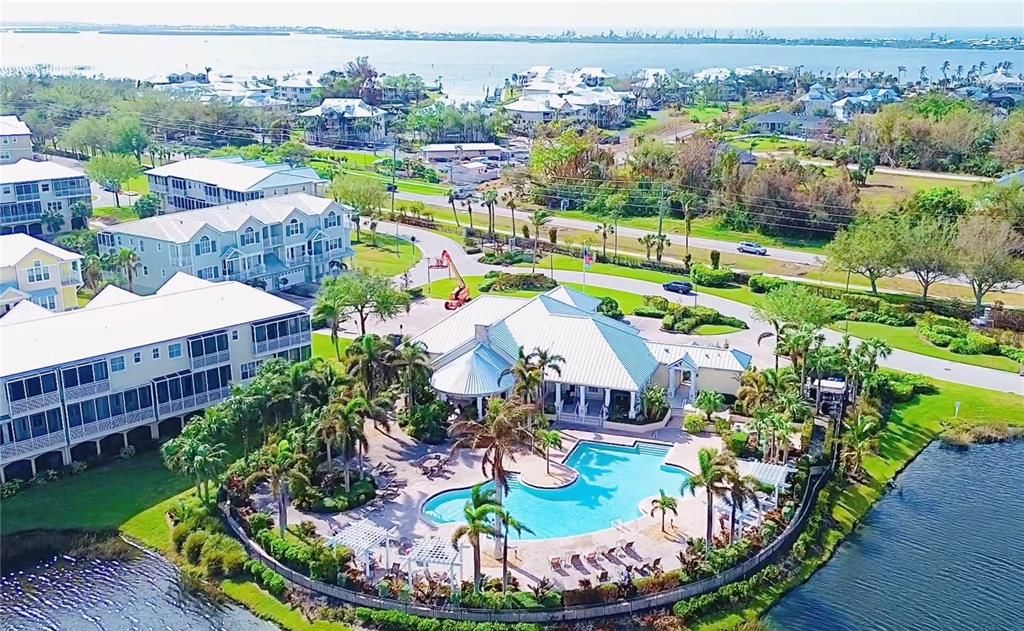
x: 296, y: 261
x: 89, y: 389
x: 112, y: 424
x: 38, y: 402
x: 213, y: 359
x: 23, y: 448
x: 275, y: 240
x: 269, y: 346
x: 246, y: 274
x: 69, y: 280
x: 193, y: 402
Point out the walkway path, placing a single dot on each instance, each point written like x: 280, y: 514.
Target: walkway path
x: 432, y: 244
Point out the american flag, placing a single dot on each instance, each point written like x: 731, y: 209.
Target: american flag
x: 588, y: 258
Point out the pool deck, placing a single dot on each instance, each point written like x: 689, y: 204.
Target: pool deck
x: 529, y: 560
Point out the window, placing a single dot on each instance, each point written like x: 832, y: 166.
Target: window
x: 249, y: 369
x: 84, y: 374
x: 234, y: 334
x: 117, y: 364
x: 331, y: 220
x: 156, y: 352
x: 46, y: 302
x: 45, y: 187
x: 293, y: 228
x: 163, y: 273
x: 249, y: 237
x: 159, y: 246
x: 33, y: 386
x: 207, y: 345
x: 145, y: 271
x: 109, y: 406
x: 174, y: 351
x: 38, y: 272
x: 142, y: 245
x: 53, y: 206
x: 209, y: 273
x: 137, y: 357
x: 206, y: 245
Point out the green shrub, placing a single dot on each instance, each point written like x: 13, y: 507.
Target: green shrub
x: 609, y: 307
x: 974, y: 344
x: 266, y: 578
x: 290, y: 553
x: 644, y: 311
x: 761, y: 284
x: 660, y: 303
x: 194, y: 545
x: 259, y: 522
x: 897, y: 387
x: 180, y: 533
x: 686, y: 319
x: 737, y: 442
x: 427, y: 422
x: 222, y: 557
x: 1014, y: 353
x: 709, y: 277
x: 693, y: 423
x: 388, y: 620
x: 520, y: 282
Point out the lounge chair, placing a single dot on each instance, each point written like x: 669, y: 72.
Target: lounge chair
x: 628, y: 547
x: 574, y: 560
x: 556, y: 563
x: 592, y: 558
x: 610, y: 553
x: 603, y: 576
x: 656, y: 564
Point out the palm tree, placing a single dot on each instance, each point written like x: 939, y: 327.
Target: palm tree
x: 53, y: 220
x: 455, y: 213
x: 661, y: 243
x: 197, y: 459
x: 648, y: 241
x: 545, y: 361
x: 490, y: 198
x: 753, y: 392
x: 546, y: 440
x: 944, y: 69
x: 348, y: 418
x: 538, y: 220
x: 512, y: 213
x: 924, y: 74
x: 325, y: 427
x: 709, y: 402
x: 413, y: 363
x: 665, y: 504
x: 282, y: 462
x: 128, y: 260
x: 859, y: 442
x: 981, y: 67
x: 329, y: 306
x: 714, y: 469
x: 605, y: 229
x: 741, y: 489
x: 509, y: 523
x: 366, y: 359
x: 900, y: 71
x: 480, y: 513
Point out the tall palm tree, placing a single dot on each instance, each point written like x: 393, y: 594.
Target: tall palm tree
x: 740, y: 490
x: 900, y: 71
x: 489, y: 199
x: 366, y: 357
x: 545, y: 361
x: 547, y: 439
x: 197, y: 459
x: 753, y: 392
x: 325, y: 427
x: 664, y: 504
x: 944, y: 69
x: 283, y: 459
x: 859, y: 442
x: 511, y: 205
x: 661, y: 243
x: 538, y: 220
x: 605, y: 229
x: 348, y: 418
x: 413, y: 363
x: 455, y: 213
x: 128, y: 260
x: 924, y: 74
x: 714, y: 469
x: 330, y: 306
x: 509, y: 523
x: 480, y: 513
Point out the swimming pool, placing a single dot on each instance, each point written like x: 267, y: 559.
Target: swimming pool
x: 613, y: 480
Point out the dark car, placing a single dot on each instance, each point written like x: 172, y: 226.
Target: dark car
x: 678, y: 287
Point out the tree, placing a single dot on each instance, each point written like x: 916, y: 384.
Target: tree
x: 329, y: 306
x: 489, y: 199
x: 413, y: 363
x: 148, y: 205
x: 648, y: 241
x: 859, y: 442
x: 509, y: 524
x: 480, y: 512
x: 53, y: 219
x: 112, y: 171
x: 664, y: 504
x: 740, y: 490
x: 661, y: 243
x: 128, y: 136
x: 348, y: 417
x: 455, y: 213
x: 605, y: 229
x: 985, y: 255
x: 792, y: 305
x: 753, y: 392
x: 367, y: 358
x: 869, y: 247
x: 709, y: 402
x: 945, y: 203
x: 128, y: 260
x: 80, y: 214
x: 928, y: 251
x: 365, y: 194
x: 197, y: 459
x: 365, y: 294
x: 281, y: 468
x: 546, y: 439
x: 714, y: 470
x: 538, y: 220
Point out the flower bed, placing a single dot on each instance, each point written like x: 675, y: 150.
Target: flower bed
x: 501, y: 281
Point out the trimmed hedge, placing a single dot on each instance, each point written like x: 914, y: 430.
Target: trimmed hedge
x: 266, y: 578
x: 686, y: 319
x: 703, y: 275
x: 761, y: 284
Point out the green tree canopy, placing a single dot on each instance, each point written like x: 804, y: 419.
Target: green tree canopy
x: 870, y: 247
x: 112, y: 171
x: 148, y: 205
x: 364, y: 295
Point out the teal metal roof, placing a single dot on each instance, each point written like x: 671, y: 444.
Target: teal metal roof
x: 479, y: 371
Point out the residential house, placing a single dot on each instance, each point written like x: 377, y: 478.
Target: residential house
x: 126, y: 369
x: 28, y: 188
x: 789, y: 124
x: 607, y: 364
x: 817, y: 100
x: 34, y: 270
x: 202, y: 182
x: 272, y: 243
x: 15, y: 140
x: 341, y: 122
x: 297, y: 90
x: 1001, y: 81
x: 868, y: 102
x: 443, y: 152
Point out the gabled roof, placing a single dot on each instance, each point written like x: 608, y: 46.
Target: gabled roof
x: 479, y: 371
x: 13, y: 126
x: 24, y: 311
x: 182, y: 227
x: 11, y: 293
x: 14, y: 248
x: 454, y: 330
x: 26, y: 170
x: 182, y: 282
x: 235, y: 174
x: 111, y: 295
x: 700, y: 356
x: 346, y: 108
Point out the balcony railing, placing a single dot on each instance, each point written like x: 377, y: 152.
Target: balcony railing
x: 71, y: 280
x: 246, y: 274
x: 21, y: 448
x: 26, y: 197
x: 73, y: 192
x: 38, y: 402
x: 212, y: 359
x: 269, y: 346
x: 297, y: 261
x: 90, y: 389
x: 21, y: 217
x: 112, y: 424
x: 193, y: 402
x: 274, y: 240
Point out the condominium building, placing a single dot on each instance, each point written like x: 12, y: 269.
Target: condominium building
x: 125, y: 369
x: 34, y: 270
x: 15, y: 140
x: 579, y: 97
x: 28, y: 188
x: 297, y: 90
x: 203, y: 182
x: 272, y: 243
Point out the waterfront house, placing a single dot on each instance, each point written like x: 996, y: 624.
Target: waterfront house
x: 607, y: 364
x: 127, y: 369
x: 27, y: 188
x: 272, y: 243
x: 37, y: 271
x: 202, y: 182
x: 1001, y: 81
x: 789, y: 124
x: 15, y: 140
x: 297, y: 90
x: 817, y: 100
x: 868, y: 102
x: 341, y: 122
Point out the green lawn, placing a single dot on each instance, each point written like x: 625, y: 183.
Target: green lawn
x: 441, y: 289
x: 131, y: 496
x: 404, y: 185
x: 322, y: 346
x: 907, y: 338
x: 124, y: 213
x: 382, y: 258
x: 265, y: 606
x: 704, y: 114
x: 715, y: 329
x: 138, y: 184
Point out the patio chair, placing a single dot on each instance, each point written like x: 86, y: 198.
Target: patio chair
x: 610, y: 553
x: 556, y: 563
x: 628, y: 548
x: 592, y: 558
x: 603, y: 576
x: 574, y: 559
x: 656, y: 564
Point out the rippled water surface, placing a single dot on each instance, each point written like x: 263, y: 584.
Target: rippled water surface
x: 143, y: 594
x: 945, y: 552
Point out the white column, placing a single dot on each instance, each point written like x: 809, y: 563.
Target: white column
x: 480, y: 407
x: 154, y: 430
x: 632, y: 404
x: 558, y: 397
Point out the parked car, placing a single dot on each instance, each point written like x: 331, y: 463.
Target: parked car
x: 749, y: 247
x: 678, y: 287
x: 464, y: 192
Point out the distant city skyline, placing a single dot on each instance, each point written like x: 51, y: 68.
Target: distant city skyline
x: 532, y: 16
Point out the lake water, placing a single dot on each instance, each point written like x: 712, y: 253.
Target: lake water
x: 466, y: 68
x: 947, y: 553
x: 142, y: 594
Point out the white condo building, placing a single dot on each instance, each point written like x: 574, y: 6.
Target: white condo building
x: 578, y: 96
x: 203, y: 182
x: 297, y: 89
x: 15, y: 140
x: 37, y: 271
x: 274, y: 243
x: 28, y: 188
x: 126, y: 369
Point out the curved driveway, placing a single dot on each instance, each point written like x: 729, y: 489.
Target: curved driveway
x: 432, y: 244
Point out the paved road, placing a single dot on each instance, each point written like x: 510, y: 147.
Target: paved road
x: 433, y: 244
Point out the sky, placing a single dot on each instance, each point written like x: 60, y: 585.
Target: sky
x: 531, y: 15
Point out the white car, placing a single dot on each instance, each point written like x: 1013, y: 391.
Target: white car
x: 749, y: 247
